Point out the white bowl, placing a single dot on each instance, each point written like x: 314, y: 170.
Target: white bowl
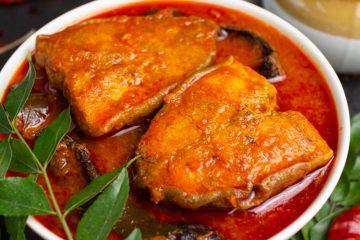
x: 308, y: 48
x: 343, y: 53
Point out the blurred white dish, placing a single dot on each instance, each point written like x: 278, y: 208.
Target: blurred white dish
x: 342, y: 111
x: 343, y: 52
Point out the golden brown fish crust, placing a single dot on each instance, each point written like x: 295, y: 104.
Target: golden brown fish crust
x: 114, y: 71
x: 218, y: 141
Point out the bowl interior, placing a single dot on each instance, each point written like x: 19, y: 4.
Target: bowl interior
x: 305, y: 45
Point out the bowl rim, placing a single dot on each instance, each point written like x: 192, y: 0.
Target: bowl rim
x: 303, y: 43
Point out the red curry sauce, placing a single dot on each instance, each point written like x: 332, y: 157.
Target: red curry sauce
x: 303, y: 90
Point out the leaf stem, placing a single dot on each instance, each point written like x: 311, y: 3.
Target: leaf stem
x: 56, y: 206
x: 131, y: 161
x: 49, y: 187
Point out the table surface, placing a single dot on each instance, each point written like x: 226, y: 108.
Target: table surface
x: 18, y: 19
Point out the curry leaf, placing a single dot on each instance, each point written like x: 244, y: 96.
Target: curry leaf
x: 297, y: 236
x: 5, y: 125
x: 33, y: 176
x: 350, y: 161
x: 90, y: 191
x: 305, y: 231
x: 320, y: 230
x: 324, y: 212
x: 94, y: 188
x: 15, y: 227
x: 355, y: 133
x: 22, y: 160
x: 50, y: 137
x: 18, y: 96
x: 22, y: 197
x: 5, y: 156
x: 354, y: 174
x: 353, y: 196
x: 135, y: 235
x: 341, y: 190
x: 105, y: 210
x: 354, y: 145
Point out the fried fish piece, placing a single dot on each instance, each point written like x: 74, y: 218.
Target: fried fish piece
x: 218, y: 141
x: 116, y: 70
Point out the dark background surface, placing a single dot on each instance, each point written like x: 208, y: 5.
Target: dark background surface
x: 18, y: 19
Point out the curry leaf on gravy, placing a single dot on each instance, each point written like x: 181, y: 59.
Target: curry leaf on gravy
x: 50, y: 137
x: 90, y: 191
x: 105, y: 210
x: 5, y: 125
x: 22, y: 197
x: 94, y: 188
x: 5, y: 156
x: 135, y: 235
x: 15, y: 227
x: 22, y: 160
x: 18, y: 96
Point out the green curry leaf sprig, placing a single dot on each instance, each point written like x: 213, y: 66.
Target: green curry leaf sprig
x: 22, y: 196
x: 345, y: 195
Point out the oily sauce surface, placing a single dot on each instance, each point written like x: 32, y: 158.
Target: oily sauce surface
x: 303, y: 90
